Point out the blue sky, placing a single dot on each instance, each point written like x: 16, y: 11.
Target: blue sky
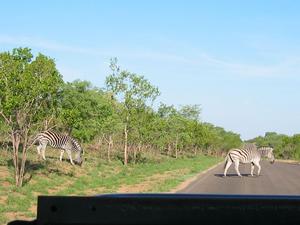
x: 239, y: 60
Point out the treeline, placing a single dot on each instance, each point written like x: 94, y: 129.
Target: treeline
x: 118, y: 119
x: 286, y: 147
x: 93, y: 115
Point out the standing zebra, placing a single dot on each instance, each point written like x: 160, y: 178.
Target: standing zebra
x: 248, y: 154
x: 59, y: 141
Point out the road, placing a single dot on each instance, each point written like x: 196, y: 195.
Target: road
x: 275, y: 179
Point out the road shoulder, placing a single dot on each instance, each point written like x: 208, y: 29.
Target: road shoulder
x: 187, y: 182
x: 287, y: 161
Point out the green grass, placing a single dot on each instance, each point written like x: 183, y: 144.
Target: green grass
x: 95, y: 177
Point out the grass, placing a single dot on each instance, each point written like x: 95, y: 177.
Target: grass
x: 96, y: 176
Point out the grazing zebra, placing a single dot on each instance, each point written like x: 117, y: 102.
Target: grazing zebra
x: 59, y: 141
x: 248, y: 154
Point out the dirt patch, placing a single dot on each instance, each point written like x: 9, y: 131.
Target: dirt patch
x: 36, y: 194
x: 5, y: 184
x: 95, y: 191
x: 17, y: 194
x: 3, y: 200
x: 33, y: 209
x: 137, y: 188
x: 58, y: 188
x: 189, y: 181
x: 32, y: 182
x: 15, y: 216
x: 148, y: 184
x: 4, y: 172
x: 287, y: 161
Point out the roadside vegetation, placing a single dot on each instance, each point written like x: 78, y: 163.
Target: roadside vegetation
x: 131, y: 143
x: 96, y: 176
x: 286, y: 147
x: 118, y: 119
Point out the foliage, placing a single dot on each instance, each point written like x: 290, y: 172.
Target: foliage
x: 121, y: 116
x: 85, y: 110
x: 133, y: 91
x: 28, y: 93
x: 286, y: 147
x: 89, y: 113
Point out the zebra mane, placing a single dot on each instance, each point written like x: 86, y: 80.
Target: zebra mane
x: 265, y: 150
x: 249, y: 146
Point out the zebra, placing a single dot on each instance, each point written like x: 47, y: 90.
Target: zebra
x: 248, y: 154
x: 59, y: 141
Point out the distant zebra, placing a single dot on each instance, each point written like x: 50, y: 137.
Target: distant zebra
x: 59, y: 141
x: 248, y: 154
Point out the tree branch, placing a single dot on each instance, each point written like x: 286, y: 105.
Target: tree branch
x: 6, y: 119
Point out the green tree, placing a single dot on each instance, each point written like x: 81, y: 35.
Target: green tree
x: 83, y: 109
x: 111, y: 124
x: 282, y: 144
x: 28, y: 88
x: 134, y: 92
x: 191, y: 112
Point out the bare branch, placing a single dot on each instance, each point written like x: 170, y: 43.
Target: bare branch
x: 6, y: 119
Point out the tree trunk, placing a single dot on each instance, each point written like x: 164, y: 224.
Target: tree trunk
x: 19, y: 166
x: 125, y: 145
x: 16, y: 143
x: 99, y: 144
x: 110, y: 145
x: 134, y: 154
x: 169, y: 149
x: 176, y: 147
x: 195, y: 150
x: 136, y: 149
x: 140, y: 147
x: 24, y: 158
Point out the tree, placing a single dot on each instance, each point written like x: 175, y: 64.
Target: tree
x: 111, y: 124
x: 282, y: 144
x: 83, y: 109
x: 191, y: 112
x: 134, y: 92
x: 27, y: 88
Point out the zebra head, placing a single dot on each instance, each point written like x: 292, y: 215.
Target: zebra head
x: 270, y: 155
x: 267, y: 152
x: 79, y: 156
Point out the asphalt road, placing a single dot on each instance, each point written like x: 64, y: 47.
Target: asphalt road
x: 275, y: 179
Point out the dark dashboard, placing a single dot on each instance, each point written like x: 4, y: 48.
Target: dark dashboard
x: 167, y: 209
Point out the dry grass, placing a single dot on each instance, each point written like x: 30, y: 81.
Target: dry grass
x: 150, y: 182
x: 93, y: 178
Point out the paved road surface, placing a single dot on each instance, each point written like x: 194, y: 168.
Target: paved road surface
x: 279, y: 178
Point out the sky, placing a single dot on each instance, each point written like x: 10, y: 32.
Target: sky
x: 238, y: 60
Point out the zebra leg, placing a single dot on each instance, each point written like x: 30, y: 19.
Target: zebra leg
x: 258, y: 166
x: 61, y: 154
x: 237, y: 163
x: 43, y: 149
x: 39, y: 147
x: 70, y: 156
x: 252, y: 169
x: 228, y: 164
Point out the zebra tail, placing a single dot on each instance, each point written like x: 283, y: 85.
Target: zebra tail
x: 36, y: 138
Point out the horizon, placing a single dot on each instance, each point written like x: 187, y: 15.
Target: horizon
x: 240, y: 62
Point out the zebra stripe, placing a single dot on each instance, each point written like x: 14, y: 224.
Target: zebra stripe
x: 59, y: 141
x: 247, y: 154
